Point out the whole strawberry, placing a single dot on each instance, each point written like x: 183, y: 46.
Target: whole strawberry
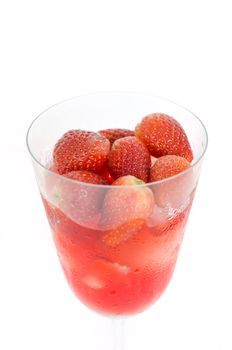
x: 77, y: 200
x: 168, y: 166
x: 175, y: 191
x: 129, y: 156
x: 125, y: 210
x: 87, y: 177
x: 80, y: 150
x: 115, y: 134
x: 163, y: 135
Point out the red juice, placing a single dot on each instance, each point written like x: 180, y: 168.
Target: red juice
x: 120, y: 280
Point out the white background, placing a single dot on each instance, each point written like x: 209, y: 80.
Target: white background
x: 52, y: 50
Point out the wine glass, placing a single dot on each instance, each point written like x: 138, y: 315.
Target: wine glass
x: 116, y: 266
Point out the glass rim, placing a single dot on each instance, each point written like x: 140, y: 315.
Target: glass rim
x: 148, y: 184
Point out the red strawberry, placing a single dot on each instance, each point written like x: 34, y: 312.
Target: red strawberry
x: 175, y: 191
x: 77, y: 200
x: 112, y: 238
x: 80, y: 150
x: 163, y: 135
x: 125, y: 210
x: 129, y: 156
x: 168, y: 166
x: 128, y: 180
x: 115, y: 134
x: 87, y: 176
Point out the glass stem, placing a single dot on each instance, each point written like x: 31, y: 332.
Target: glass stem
x: 118, y: 329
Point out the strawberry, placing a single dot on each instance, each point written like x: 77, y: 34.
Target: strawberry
x: 125, y: 210
x: 112, y: 238
x: 87, y: 176
x: 129, y: 156
x: 163, y: 135
x: 77, y: 200
x: 128, y: 180
x: 80, y: 150
x: 168, y: 166
x: 174, y: 192
x: 115, y: 134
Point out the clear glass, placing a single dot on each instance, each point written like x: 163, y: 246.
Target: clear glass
x: 123, y: 279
